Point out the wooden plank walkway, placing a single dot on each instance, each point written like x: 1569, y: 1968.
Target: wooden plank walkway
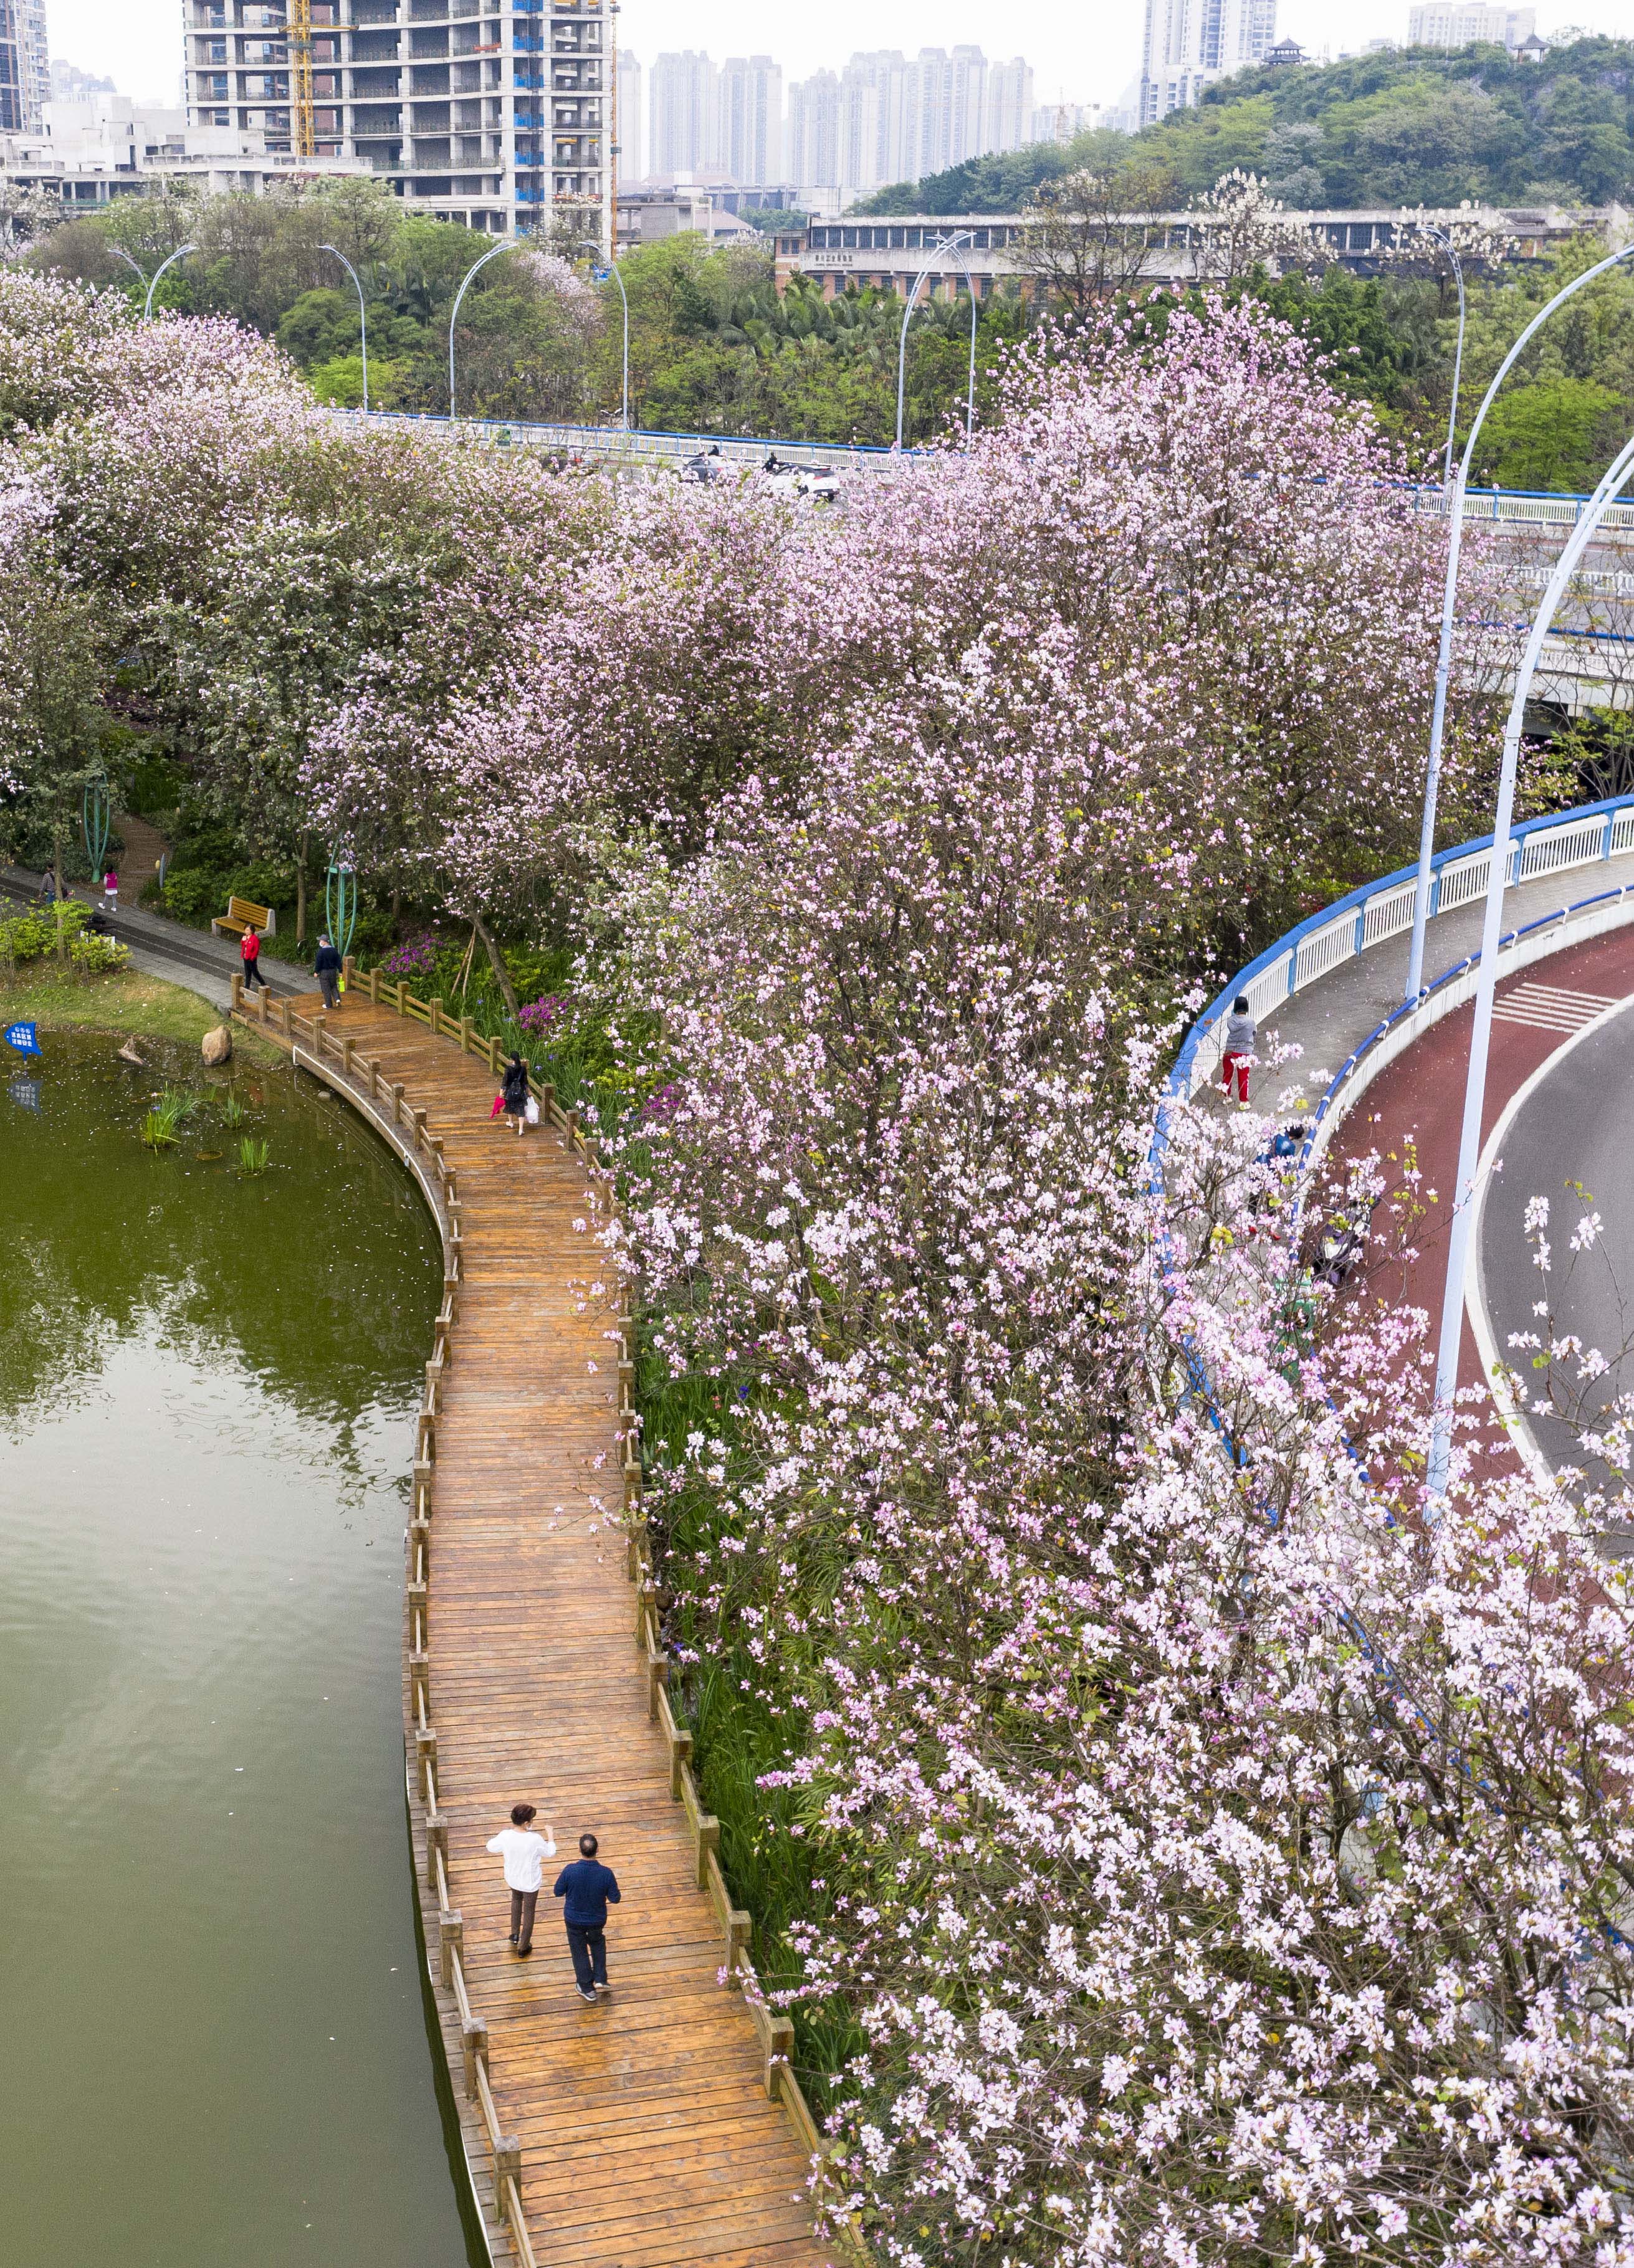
x: 646, y: 2133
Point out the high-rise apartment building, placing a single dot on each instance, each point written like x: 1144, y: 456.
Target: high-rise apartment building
x: 811, y: 142
x: 943, y: 109
x: 10, y: 67
x: 1191, y: 43
x: 24, y: 66
x: 630, y: 126
x: 683, y: 138
x: 496, y: 113
x: 1463, y: 26
x: 875, y: 83
x: 748, y: 120
x: 1009, y: 120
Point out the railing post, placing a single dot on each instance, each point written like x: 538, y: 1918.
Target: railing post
x: 679, y: 1755
x: 238, y: 975
x: 374, y: 985
x: 397, y: 1104
x: 508, y: 2164
x: 739, y: 1929
x: 709, y: 1839
x: 451, y: 1936
x: 425, y: 1755
x: 474, y: 2040
x: 402, y: 995
x: 348, y: 971
x: 437, y: 1016
x: 419, y: 1681
x: 467, y: 1033
x: 779, y: 2048
x: 435, y: 1841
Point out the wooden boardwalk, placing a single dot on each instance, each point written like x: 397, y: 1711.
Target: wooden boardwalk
x: 646, y: 2133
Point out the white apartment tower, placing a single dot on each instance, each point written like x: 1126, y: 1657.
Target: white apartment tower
x: 683, y: 137
x: 1191, y: 43
x: 875, y: 84
x: 1462, y: 27
x: 943, y: 109
x: 748, y: 120
x: 1009, y: 105
x: 496, y: 113
x: 630, y: 125
x: 812, y: 145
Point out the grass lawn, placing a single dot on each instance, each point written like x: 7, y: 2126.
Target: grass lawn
x: 126, y: 1001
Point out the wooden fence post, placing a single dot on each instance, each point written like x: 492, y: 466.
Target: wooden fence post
x: 237, y: 991
x: 679, y: 1754
x: 467, y: 1033
x: 474, y: 2039
x: 709, y: 1839
x: 402, y: 995
x: 348, y: 971
x: 437, y: 1016
x: 435, y: 1840
x: 374, y: 985
x: 425, y: 1754
x: 397, y: 1103
x: 419, y: 1681
x: 780, y: 2049
x: 507, y: 2164
x: 451, y: 1935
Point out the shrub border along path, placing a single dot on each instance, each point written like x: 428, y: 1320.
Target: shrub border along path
x: 646, y: 2130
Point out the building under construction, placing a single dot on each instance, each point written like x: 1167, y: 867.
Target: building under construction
x: 501, y: 117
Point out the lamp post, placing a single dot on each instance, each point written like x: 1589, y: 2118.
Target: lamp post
x: 1486, y: 977
x: 509, y: 245
x: 120, y: 252
x: 592, y: 243
x: 180, y: 253
x: 363, y: 316
x: 943, y: 244
x: 1444, y: 658
x: 1442, y: 237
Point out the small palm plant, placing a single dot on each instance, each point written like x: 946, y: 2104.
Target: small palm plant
x: 254, y: 1156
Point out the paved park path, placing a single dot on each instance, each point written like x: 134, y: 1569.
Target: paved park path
x: 647, y: 2135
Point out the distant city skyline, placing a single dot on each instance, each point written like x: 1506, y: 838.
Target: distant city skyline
x: 1084, y: 50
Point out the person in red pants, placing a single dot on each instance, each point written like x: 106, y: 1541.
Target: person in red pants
x: 249, y: 954
x: 1241, y: 1034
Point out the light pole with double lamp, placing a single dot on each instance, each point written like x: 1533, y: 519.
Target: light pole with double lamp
x: 1449, y: 596
x: 942, y: 245
x: 1486, y: 977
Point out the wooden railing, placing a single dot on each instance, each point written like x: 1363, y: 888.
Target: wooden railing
x: 382, y: 1103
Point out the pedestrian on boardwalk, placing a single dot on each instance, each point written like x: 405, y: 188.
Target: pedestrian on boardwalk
x: 327, y: 967
x: 589, y: 1889
x: 110, y: 889
x: 1242, y: 1031
x: 525, y: 1853
x: 249, y: 954
x: 513, y: 1092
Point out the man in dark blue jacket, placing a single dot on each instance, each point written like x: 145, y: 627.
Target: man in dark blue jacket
x: 589, y: 1889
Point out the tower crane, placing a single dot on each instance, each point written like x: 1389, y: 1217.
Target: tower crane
x: 298, y: 36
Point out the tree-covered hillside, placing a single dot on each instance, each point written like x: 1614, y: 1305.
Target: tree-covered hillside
x: 1412, y: 127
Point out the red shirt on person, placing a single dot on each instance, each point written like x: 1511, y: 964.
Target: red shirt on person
x: 249, y: 945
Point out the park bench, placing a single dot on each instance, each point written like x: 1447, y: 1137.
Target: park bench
x: 241, y: 915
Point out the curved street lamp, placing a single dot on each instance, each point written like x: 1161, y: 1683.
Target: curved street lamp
x: 362, y: 315
x: 943, y: 244
x: 180, y: 253
x: 510, y: 244
x: 1486, y: 978
x: 1443, y: 668
x: 593, y: 244
x: 1442, y: 236
x: 120, y: 252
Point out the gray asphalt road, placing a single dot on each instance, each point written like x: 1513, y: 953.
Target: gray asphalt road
x: 1577, y: 1128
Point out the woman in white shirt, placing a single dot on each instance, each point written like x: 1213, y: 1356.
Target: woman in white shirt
x: 525, y: 1855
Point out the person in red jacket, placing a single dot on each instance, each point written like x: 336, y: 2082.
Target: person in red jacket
x: 249, y: 952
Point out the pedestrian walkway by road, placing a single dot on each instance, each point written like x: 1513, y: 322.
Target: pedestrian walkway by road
x: 162, y: 947
x: 648, y: 2138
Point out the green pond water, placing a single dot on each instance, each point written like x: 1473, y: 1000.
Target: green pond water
x: 216, y: 2045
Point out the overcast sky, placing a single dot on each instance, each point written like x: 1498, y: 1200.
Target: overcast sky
x: 1085, y: 50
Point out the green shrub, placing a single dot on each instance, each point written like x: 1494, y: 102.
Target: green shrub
x: 157, y: 784
x: 264, y: 882
x: 195, y: 894
x: 32, y: 935
x: 97, y: 955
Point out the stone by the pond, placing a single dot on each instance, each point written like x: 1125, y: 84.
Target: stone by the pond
x: 217, y: 1048
x: 130, y: 1054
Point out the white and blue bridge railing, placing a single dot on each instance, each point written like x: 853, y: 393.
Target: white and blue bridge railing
x: 1587, y: 836
x: 614, y: 444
